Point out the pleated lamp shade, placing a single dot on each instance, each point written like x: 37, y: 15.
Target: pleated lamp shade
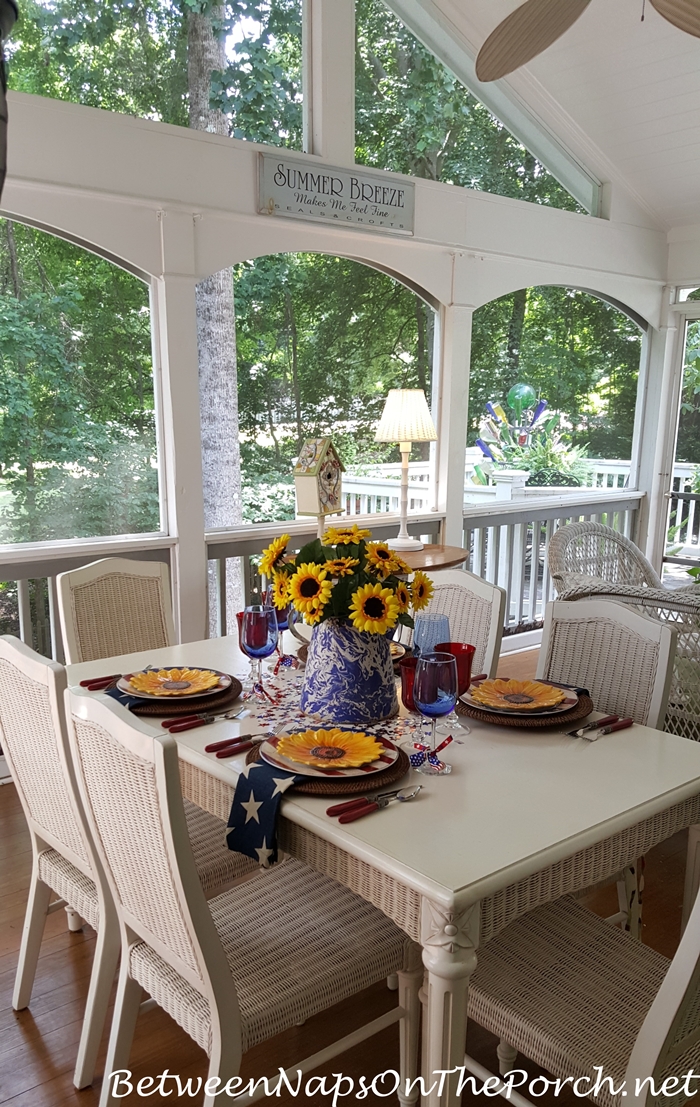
x: 406, y: 417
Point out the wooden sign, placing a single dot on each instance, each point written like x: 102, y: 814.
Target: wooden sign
x: 367, y: 198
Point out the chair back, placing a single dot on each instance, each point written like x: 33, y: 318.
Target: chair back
x: 130, y: 788
x: 593, y: 550
x: 623, y: 658
x: 115, y: 606
x: 33, y: 737
x: 475, y: 609
x: 667, y: 1043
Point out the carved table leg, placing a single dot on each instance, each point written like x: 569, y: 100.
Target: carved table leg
x: 449, y: 940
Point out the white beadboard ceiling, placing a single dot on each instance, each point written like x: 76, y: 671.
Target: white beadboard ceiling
x: 620, y: 95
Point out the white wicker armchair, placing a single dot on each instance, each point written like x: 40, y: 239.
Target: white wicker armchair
x: 252, y: 962
x: 593, y: 550
x: 115, y: 606
x: 33, y: 733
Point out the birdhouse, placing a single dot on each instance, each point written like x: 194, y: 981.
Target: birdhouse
x: 318, y: 478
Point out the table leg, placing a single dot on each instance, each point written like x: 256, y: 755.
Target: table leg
x: 449, y: 939
x: 692, y: 872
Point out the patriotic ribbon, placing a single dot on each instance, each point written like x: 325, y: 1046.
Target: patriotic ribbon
x: 425, y: 753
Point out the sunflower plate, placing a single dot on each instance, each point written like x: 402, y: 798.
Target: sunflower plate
x: 269, y: 752
x: 515, y: 695
x: 330, y: 749
x: 159, y: 683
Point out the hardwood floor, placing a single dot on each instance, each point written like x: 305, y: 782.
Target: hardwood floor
x: 38, y: 1045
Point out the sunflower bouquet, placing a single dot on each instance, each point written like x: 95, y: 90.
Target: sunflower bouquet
x: 347, y: 577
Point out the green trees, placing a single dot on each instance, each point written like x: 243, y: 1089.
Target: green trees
x: 77, y: 437
x: 319, y: 339
x: 578, y: 352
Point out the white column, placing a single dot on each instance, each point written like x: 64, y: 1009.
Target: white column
x: 176, y: 361
x: 328, y: 40
x: 450, y: 412
x: 658, y: 433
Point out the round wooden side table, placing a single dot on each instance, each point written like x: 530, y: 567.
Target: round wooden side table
x: 435, y: 557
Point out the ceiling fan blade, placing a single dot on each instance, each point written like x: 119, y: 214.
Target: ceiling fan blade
x: 684, y: 14
x: 528, y: 31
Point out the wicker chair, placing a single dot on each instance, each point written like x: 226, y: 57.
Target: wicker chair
x: 572, y: 993
x: 251, y: 963
x: 115, y: 606
x: 475, y: 609
x: 624, y: 659
x: 592, y: 550
x: 33, y: 732
x: 679, y: 609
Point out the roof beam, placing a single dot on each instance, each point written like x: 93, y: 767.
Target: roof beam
x: 425, y: 20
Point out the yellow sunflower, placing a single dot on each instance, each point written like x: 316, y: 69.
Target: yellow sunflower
x: 280, y: 590
x: 273, y: 554
x: 341, y: 566
x: 421, y: 591
x: 403, y: 597
x: 314, y: 615
x: 374, y: 609
x: 381, y: 559
x: 516, y: 695
x: 401, y: 565
x: 174, y: 682
x: 310, y: 588
x: 330, y: 749
x: 344, y: 536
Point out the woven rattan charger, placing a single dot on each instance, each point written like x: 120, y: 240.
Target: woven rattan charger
x: 351, y: 786
x: 170, y: 706
x: 579, y: 711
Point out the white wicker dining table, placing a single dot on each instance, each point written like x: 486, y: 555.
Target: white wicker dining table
x: 525, y: 817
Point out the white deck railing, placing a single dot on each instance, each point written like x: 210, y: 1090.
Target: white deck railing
x: 507, y: 543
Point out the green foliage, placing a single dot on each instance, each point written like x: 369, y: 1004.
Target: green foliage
x: 688, y: 444
x: 413, y: 116
x: 320, y: 341
x: 579, y: 352
x: 77, y: 439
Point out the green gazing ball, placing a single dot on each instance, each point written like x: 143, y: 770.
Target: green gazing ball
x: 521, y: 396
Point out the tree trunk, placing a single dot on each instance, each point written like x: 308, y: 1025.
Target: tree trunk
x: 216, y: 329
x: 515, y: 334
x: 293, y: 358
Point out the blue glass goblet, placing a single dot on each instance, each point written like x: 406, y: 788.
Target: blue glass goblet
x: 259, y: 635
x: 435, y: 695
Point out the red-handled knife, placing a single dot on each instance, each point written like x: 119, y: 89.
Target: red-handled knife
x: 342, y: 808
x: 95, y: 684
x: 241, y: 747
x: 360, y: 810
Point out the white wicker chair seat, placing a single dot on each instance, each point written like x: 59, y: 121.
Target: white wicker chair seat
x: 113, y: 607
x: 70, y: 884
x: 572, y: 993
x: 327, y: 944
x: 218, y: 867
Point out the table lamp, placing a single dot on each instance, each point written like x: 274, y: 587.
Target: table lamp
x: 406, y: 418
